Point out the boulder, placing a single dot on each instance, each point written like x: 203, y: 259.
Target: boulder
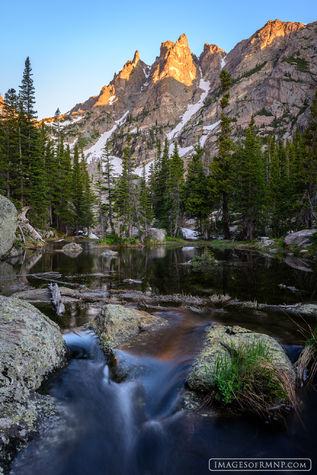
x: 116, y: 324
x: 218, y: 342
x: 8, y: 225
x: 157, y: 234
x: 302, y: 238
x: 72, y: 249
x: 31, y: 347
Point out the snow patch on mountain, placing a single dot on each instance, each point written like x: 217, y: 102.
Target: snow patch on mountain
x: 139, y: 170
x: 112, y: 100
x: 191, y: 108
x: 96, y: 151
x: 223, y: 62
x: 208, y: 129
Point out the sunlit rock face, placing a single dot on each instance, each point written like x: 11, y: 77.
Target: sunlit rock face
x: 175, y: 61
x: 177, y: 97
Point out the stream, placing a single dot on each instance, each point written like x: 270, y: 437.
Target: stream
x: 137, y: 426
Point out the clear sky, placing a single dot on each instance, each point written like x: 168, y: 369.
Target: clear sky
x: 75, y: 46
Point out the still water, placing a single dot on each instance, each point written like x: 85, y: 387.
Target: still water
x: 137, y: 426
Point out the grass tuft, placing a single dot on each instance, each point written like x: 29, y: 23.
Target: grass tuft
x: 248, y: 381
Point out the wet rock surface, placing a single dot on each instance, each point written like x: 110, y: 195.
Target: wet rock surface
x: 31, y: 347
x: 116, y: 324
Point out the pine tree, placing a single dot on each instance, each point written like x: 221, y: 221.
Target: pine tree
x: 161, y: 202
x: 145, y: 209
x: 196, y: 195
x: 27, y: 92
x: 10, y: 164
x: 221, y: 169
x: 109, y: 185
x: 250, y: 181
x: 87, y: 217
x: 64, y: 208
x: 278, y: 192
x: 174, y: 192
x: 77, y: 190
x: 125, y: 194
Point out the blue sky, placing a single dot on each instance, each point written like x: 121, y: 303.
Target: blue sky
x: 75, y: 46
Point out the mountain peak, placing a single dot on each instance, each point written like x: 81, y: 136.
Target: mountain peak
x: 136, y: 58
x: 182, y: 41
x: 211, y: 49
x: 175, y: 61
x: 272, y: 30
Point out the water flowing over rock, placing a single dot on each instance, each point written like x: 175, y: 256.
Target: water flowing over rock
x: 31, y: 347
x: 8, y: 225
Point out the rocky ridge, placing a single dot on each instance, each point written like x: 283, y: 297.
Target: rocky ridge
x: 274, y: 76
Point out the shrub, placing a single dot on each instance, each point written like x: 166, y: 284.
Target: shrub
x: 205, y: 260
x: 300, y: 63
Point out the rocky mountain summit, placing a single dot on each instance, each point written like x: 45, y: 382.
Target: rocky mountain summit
x: 274, y: 75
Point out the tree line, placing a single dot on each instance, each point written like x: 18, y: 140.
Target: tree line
x: 37, y: 172
x: 258, y: 186
x: 255, y: 187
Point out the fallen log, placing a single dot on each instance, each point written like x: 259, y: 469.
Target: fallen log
x: 56, y: 299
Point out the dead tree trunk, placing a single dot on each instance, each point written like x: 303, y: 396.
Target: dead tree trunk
x: 56, y: 299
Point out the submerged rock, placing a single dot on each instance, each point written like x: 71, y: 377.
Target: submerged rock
x: 116, y: 324
x: 72, y: 249
x: 31, y: 347
x: 217, y: 346
x: 8, y: 225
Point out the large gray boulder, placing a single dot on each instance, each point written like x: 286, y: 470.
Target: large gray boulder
x: 157, y: 234
x: 302, y: 238
x: 218, y: 342
x: 31, y: 347
x: 8, y: 225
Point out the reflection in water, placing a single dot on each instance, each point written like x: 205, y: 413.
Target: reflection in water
x: 241, y: 274
x: 136, y: 427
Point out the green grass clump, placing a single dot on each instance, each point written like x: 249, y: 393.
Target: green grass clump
x: 119, y: 241
x: 247, y: 380
x: 174, y: 239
